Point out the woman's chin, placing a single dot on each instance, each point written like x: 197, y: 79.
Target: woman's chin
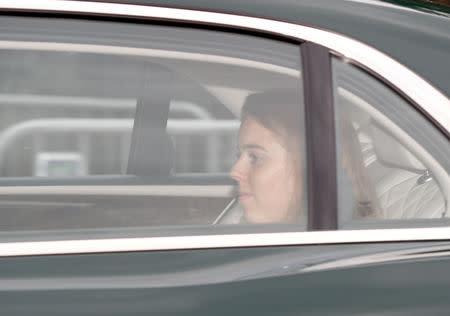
x: 254, y: 216
x: 258, y: 216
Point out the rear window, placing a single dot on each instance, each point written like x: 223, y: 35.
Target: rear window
x: 114, y: 125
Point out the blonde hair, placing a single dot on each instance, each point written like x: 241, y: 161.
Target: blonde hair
x: 366, y: 202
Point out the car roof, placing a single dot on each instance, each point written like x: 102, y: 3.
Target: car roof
x: 414, y: 32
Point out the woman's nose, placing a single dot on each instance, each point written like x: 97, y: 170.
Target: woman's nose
x: 237, y: 172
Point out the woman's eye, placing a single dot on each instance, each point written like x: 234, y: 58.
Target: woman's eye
x: 254, y: 158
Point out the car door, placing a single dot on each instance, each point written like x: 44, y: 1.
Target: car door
x: 117, y: 139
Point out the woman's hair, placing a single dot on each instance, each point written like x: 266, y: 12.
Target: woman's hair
x: 280, y: 112
x: 366, y: 202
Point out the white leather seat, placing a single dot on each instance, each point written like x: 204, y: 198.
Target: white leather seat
x: 405, y: 190
x: 401, y: 195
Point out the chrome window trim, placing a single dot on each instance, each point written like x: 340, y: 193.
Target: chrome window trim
x: 430, y: 100
x: 64, y: 247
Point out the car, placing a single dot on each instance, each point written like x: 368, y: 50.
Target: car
x: 119, y: 123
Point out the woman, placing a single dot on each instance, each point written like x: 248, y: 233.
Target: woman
x: 270, y: 162
x: 268, y: 169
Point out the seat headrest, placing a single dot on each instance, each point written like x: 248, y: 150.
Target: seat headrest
x: 392, y: 153
x: 151, y: 151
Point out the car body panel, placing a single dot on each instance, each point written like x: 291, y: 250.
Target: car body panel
x: 265, y: 281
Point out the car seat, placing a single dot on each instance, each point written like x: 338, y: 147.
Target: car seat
x: 406, y: 189
x: 152, y: 151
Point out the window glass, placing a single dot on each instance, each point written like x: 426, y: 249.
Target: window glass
x: 119, y: 125
x: 393, y: 164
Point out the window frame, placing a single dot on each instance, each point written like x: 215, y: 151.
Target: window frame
x: 320, y: 137
x: 428, y: 100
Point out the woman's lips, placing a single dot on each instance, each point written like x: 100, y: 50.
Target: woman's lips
x: 243, y: 196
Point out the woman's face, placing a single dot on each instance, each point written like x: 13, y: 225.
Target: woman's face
x: 265, y: 174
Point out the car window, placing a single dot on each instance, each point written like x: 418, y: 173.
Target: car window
x: 393, y: 163
x: 107, y: 125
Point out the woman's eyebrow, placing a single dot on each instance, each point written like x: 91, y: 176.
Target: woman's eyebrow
x: 253, y: 146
